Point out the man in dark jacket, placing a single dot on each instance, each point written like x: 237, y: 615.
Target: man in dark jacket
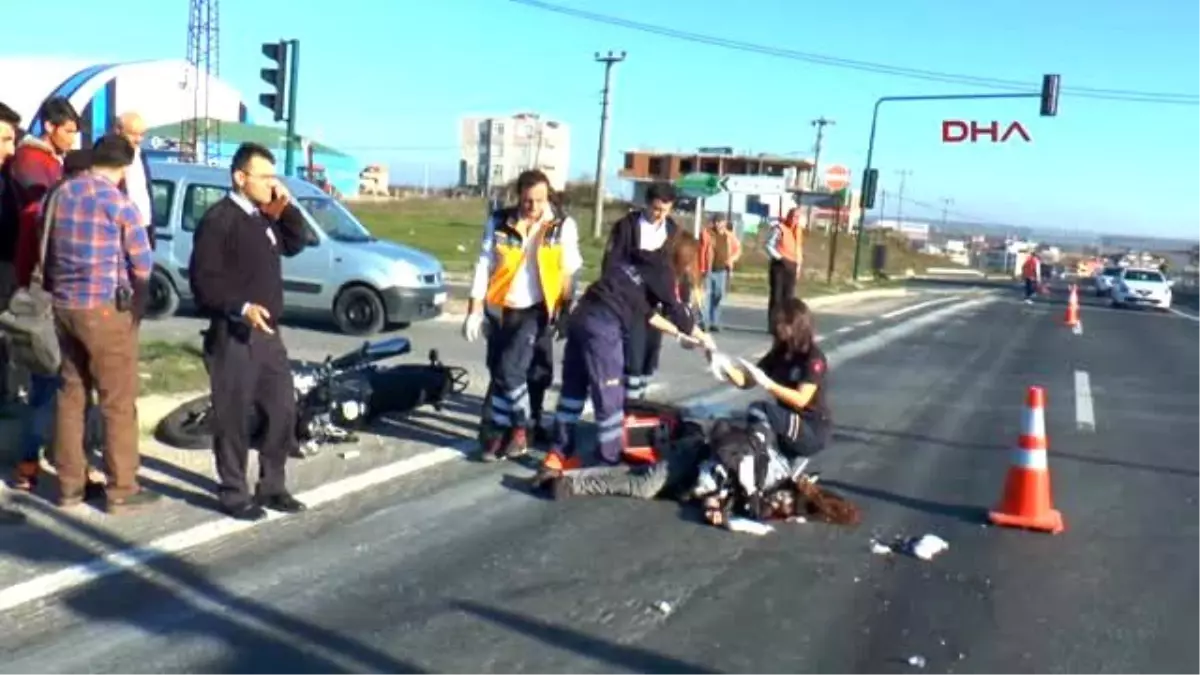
x: 632, y: 238
x: 236, y: 275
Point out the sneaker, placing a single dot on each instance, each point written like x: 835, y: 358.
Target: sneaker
x: 493, y: 449
x: 25, y: 478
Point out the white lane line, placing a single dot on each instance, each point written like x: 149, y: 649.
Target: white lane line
x: 921, y: 305
x: 844, y: 329
x: 856, y: 348
x: 1085, y: 415
x: 864, y: 324
x: 74, y: 576
x: 48, y: 584
x: 1185, y: 315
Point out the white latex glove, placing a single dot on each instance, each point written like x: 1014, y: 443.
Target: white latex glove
x: 760, y: 378
x: 720, y: 365
x: 473, y: 327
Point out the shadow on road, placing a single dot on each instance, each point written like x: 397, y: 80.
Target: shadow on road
x: 968, y: 513
x: 617, y: 656
x: 168, y: 596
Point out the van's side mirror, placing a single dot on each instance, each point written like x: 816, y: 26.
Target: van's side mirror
x: 310, y: 237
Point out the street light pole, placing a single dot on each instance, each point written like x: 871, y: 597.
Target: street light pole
x: 598, y: 213
x: 1049, y: 108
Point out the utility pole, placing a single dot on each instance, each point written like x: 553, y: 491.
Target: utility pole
x: 598, y: 214
x: 946, y: 202
x: 903, y: 173
x: 820, y: 123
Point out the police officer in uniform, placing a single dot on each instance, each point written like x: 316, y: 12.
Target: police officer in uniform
x: 631, y: 241
x: 793, y: 372
x: 593, y: 361
x: 528, y: 260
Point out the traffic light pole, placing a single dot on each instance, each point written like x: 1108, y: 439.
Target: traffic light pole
x: 1049, y: 89
x: 289, y: 161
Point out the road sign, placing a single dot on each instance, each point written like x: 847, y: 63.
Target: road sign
x: 755, y: 185
x: 837, y: 177
x: 698, y: 185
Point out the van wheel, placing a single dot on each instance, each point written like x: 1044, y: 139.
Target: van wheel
x: 164, y: 300
x: 358, y: 310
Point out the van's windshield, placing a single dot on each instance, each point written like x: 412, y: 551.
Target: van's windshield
x: 334, y: 220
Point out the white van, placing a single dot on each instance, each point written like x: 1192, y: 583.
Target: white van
x: 362, y: 283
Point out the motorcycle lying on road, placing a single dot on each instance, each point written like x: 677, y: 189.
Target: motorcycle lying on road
x: 334, y: 397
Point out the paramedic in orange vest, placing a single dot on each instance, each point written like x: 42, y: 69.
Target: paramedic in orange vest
x: 785, y: 247
x: 527, y: 264
x: 719, y: 250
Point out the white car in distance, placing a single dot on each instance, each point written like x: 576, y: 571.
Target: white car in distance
x: 1142, y: 287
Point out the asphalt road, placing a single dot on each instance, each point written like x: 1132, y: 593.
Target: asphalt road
x: 457, y: 570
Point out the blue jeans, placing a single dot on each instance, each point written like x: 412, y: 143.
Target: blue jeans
x: 43, y: 392
x: 716, y: 281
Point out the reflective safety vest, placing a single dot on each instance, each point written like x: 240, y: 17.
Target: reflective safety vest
x: 508, y: 256
x: 791, y: 242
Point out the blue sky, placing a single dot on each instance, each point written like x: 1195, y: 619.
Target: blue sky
x: 389, y: 79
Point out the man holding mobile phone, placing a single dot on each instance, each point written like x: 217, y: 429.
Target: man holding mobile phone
x: 236, y: 275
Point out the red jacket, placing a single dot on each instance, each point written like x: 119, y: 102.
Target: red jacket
x: 35, y: 169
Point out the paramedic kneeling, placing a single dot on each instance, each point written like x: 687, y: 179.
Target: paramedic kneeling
x: 593, y: 360
x: 793, y: 372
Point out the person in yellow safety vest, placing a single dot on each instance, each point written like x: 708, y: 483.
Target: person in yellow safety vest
x: 526, y: 270
x: 785, y: 247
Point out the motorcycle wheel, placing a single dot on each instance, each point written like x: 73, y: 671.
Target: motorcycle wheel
x: 188, y: 427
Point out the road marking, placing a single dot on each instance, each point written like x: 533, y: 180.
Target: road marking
x: 48, y: 584
x: 74, y: 576
x: 844, y: 329
x: 1085, y: 415
x: 853, y: 349
x: 864, y: 324
x: 1184, y: 314
x: 912, y: 308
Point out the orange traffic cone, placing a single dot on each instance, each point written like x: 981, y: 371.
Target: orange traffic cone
x: 1026, y: 501
x: 1072, y: 317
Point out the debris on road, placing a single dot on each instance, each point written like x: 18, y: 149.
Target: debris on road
x: 349, y: 454
x: 925, y: 547
x: 916, y: 661
x: 747, y: 526
x: 663, y: 607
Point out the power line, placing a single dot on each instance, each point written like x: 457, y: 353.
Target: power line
x: 866, y: 66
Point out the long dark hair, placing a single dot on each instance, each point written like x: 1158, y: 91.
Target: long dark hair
x: 793, y: 328
x: 683, y: 255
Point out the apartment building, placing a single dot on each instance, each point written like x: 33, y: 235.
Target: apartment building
x: 495, y: 150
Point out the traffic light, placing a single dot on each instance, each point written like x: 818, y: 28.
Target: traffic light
x: 870, y: 183
x: 1049, y: 95
x: 276, y: 77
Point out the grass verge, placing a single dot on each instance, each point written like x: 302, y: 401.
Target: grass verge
x: 171, y: 368
x: 450, y: 229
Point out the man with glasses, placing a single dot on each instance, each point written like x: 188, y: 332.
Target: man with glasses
x: 236, y: 275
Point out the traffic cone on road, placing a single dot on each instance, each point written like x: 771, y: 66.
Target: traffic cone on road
x: 1071, y: 319
x: 1026, y: 501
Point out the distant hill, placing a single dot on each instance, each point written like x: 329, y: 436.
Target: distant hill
x: 1068, y: 238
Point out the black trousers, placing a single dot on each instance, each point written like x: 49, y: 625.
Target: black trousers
x: 782, y: 278
x: 247, y: 372
x: 643, y: 345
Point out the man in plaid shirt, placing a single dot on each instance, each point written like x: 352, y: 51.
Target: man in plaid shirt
x: 98, y: 268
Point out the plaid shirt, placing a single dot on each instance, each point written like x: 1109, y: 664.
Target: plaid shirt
x: 87, y: 257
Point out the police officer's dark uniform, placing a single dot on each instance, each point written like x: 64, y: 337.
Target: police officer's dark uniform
x: 236, y: 259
